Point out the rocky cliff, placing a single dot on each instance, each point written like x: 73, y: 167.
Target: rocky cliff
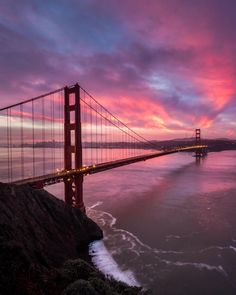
x: 41, y: 240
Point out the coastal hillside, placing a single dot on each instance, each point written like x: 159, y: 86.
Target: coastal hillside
x: 43, y: 247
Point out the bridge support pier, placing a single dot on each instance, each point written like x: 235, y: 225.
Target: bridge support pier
x: 73, y: 147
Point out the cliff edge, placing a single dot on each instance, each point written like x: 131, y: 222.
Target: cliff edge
x: 41, y: 240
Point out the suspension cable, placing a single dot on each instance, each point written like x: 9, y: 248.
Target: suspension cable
x: 118, y: 119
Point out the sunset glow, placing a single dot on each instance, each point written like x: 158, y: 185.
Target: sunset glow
x: 163, y: 67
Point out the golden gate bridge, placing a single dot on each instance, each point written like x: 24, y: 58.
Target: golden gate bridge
x: 66, y: 134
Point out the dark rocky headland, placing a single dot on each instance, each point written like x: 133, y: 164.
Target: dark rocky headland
x: 44, y: 247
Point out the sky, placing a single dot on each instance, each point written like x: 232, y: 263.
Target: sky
x: 163, y: 67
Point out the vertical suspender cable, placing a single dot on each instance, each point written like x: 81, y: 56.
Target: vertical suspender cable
x: 43, y: 136
x: 105, y: 147
x: 82, y: 122
x: 109, y: 140
x: 33, y: 138
x: 125, y: 144
x: 96, y: 134
x: 84, y: 128
x: 85, y: 131
x: 8, y: 147
x: 91, y: 132
x: 113, y: 140
x: 58, y: 127
x: 130, y: 147
x: 61, y: 127
x: 121, y: 140
x: 11, y: 170
x: 122, y: 149
x: 101, y: 147
x: 118, y: 137
x: 127, y: 139
x: 53, y: 132
x: 22, y: 141
x: 133, y: 146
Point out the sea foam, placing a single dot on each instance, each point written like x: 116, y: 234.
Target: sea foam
x: 103, y: 260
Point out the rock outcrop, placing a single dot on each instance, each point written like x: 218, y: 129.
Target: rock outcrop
x: 41, y: 240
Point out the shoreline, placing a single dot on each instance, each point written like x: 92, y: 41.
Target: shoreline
x: 44, y: 247
x: 101, y: 257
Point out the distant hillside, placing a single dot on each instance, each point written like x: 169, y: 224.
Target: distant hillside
x: 213, y: 144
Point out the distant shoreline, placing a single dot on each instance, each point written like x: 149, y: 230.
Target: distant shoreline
x: 214, y: 145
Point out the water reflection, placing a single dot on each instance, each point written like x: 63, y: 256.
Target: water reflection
x: 170, y: 221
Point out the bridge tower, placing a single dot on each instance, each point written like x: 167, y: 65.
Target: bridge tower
x: 73, y: 146
x: 198, y: 141
x: 198, y: 136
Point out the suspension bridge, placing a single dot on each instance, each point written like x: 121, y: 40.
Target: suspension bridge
x: 66, y: 134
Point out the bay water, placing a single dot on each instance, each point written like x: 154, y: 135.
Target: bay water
x: 169, y: 223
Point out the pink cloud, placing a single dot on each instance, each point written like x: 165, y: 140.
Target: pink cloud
x: 164, y: 67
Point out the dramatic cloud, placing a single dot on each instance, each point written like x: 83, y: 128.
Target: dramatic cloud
x: 164, y: 67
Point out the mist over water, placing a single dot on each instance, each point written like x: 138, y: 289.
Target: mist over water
x: 169, y: 223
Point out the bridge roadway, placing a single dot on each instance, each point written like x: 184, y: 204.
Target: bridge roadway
x: 63, y: 175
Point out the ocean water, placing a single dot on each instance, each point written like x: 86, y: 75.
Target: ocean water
x: 169, y: 223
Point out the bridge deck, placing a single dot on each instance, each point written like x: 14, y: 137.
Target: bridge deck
x: 65, y: 175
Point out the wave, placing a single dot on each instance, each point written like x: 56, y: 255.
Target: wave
x: 122, y: 243
x: 96, y: 204
x: 218, y: 248
x: 199, y: 266
x: 103, y: 260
